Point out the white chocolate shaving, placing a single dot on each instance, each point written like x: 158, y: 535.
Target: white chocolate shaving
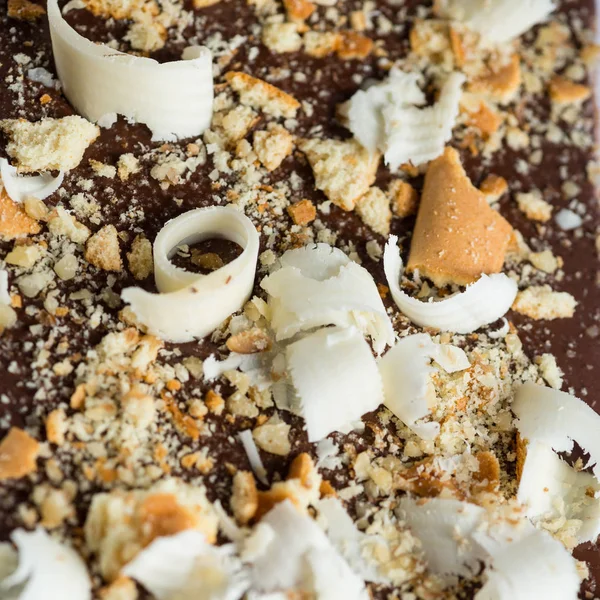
x: 319, y: 285
x: 173, y: 99
x: 335, y: 380
x: 557, y: 419
x: 19, y: 187
x: 483, y: 302
x: 406, y: 375
x: 556, y: 495
x: 190, y: 305
x: 187, y: 567
x: 4, y: 294
x: 47, y: 570
x: 522, y: 562
x: 256, y: 463
x: 388, y: 117
x: 497, y: 21
x: 297, y: 555
x: 349, y: 540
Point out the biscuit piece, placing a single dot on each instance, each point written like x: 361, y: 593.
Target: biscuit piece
x: 18, y: 454
x: 500, y: 85
x: 273, y: 146
x: 49, y: 144
x: 457, y: 236
x: 262, y: 95
x: 564, y: 91
x: 24, y: 10
x: 14, y: 221
x: 344, y: 171
x: 403, y: 197
x: 541, y: 302
x: 102, y: 249
x: 374, y: 209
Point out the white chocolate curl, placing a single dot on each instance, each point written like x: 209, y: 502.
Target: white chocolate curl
x: 173, y: 99
x: 483, y: 302
x: 191, y: 305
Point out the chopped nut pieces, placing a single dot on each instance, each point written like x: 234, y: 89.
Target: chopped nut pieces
x: 18, y: 454
x: 344, y: 171
x: 457, y: 236
x: 49, y: 144
x: 262, y: 95
x: 541, y: 302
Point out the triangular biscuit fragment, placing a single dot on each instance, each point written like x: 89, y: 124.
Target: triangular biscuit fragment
x: 457, y: 236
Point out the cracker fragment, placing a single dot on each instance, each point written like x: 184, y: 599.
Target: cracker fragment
x: 244, y: 497
x: 403, y: 197
x: 343, y: 170
x: 533, y: 206
x: 273, y: 146
x: 354, y: 46
x: 374, y: 209
x: 18, y: 454
x: 501, y: 84
x: 261, y: 95
x: 49, y: 144
x: 102, y: 249
x: 140, y: 258
x: 541, y: 302
x: 457, y: 236
x: 302, y: 212
x: 494, y: 187
x: 24, y: 10
x: 298, y: 10
x: 14, y: 221
x: 564, y: 91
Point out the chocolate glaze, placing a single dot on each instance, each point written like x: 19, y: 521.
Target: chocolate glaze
x: 574, y: 342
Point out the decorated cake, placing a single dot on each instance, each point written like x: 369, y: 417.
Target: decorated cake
x: 299, y: 300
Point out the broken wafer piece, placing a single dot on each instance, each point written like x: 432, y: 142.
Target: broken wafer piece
x: 457, y: 236
x: 484, y: 302
x: 173, y: 99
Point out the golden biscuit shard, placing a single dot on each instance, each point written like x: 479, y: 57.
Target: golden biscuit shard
x: 457, y: 236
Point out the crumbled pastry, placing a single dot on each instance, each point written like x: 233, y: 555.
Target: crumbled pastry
x: 281, y: 37
x: 533, y: 206
x: 344, y: 171
x: 444, y: 252
x: 541, y: 302
x: 500, y: 85
x: 244, y: 497
x: 24, y: 10
x: 302, y: 212
x: 273, y: 146
x: 354, y: 46
x: 166, y: 509
x: 374, y: 209
x: 403, y: 197
x: 140, y: 261
x: 49, y: 144
x: 261, y: 95
x: 14, y: 221
x: 18, y: 454
x: 299, y: 10
x: 102, y: 249
x: 563, y: 91
x: 494, y: 187
x: 127, y: 165
x: 321, y: 43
